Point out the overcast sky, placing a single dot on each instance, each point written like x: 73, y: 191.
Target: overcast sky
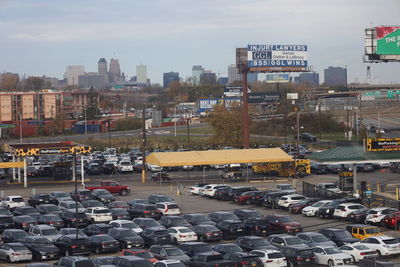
x: 44, y: 36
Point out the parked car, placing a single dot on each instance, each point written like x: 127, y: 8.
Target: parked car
x: 182, y: 234
x: 144, y: 211
x: 92, y: 203
x: 248, y: 243
x: 168, y: 208
x: 383, y: 244
x: 195, y: 188
x: 168, y: 252
x: 98, y: 215
x: 127, y: 224
x: 50, y: 219
x: 11, y: 202
x: 245, y: 197
x: 148, y: 223
x: 126, y: 237
x: 156, y: 198
x: 197, y: 218
x: 160, y: 177
x: 6, y: 221
x: 376, y: 215
x: 193, y: 248
x: 358, y: 251
x: 207, y: 233
x: 362, y: 231
x: 97, y: 229
x: 38, y: 199
x: 326, y: 211
x: 131, y: 261
x: 330, y: 256
x: 44, y: 230
x: 72, y: 231
x: 49, y: 209
x: 103, y: 261
x: 245, y: 259
x: 339, y: 236
x: 73, y: 245
x: 227, y: 249
x: 102, y: 195
x: 283, y: 240
x: 208, y: 259
x: 299, y: 256
x: 219, y: 216
x: 153, y: 236
x: 141, y: 253
x: 25, y: 210
x: 283, y: 224
x: 231, y: 228
x: 103, y: 244
x: 58, y: 196
x: 82, y: 194
x: 343, y: 210
x: 169, y: 263
x: 271, y: 258
x: 118, y: 205
x: 307, y: 137
x: 313, y: 209
x: 313, y: 239
x: 14, y: 252
x: 120, y: 214
x: 358, y: 216
x: 73, y: 219
x: 174, y: 221
x: 285, y: 201
x: 298, y: 207
x: 24, y: 222
x: 65, y: 205
x: 74, y: 261
x: 41, y: 248
x: 13, y: 235
x: 257, y: 226
x: 243, y: 214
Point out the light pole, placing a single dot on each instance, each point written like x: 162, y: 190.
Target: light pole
x: 20, y: 127
x: 175, y: 118
x: 85, y: 122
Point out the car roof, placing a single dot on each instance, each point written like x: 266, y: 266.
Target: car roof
x: 361, y: 225
x: 381, y: 208
x: 282, y: 235
x: 309, y: 233
x: 252, y: 237
x: 383, y: 237
x: 14, y: 196
x: 44, y: 226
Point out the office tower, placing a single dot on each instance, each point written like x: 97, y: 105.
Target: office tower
x: 197, y: 70
x: 334, y: 76
x: 141, y: 74
x: 310, y: 78
x: 115, y: 71
x: 102, y: 68
x: 233, y: 74
x: 169, y: 77
x: 208, y: 77
x: 72, y: 73
x: 92, y: 79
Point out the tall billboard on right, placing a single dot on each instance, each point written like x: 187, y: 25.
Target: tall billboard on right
x: 382, y: 43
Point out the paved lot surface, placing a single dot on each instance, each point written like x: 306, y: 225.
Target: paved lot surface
x: 189, y: 203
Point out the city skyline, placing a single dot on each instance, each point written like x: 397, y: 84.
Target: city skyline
x: 184, y: 34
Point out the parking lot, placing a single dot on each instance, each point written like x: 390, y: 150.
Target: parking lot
x: 191, y: 204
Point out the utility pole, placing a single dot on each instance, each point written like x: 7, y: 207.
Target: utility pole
x: 20, y: 128
x: 76, y: 197
x: 109, y: 130
x: 245, y: 110
x: 188, y: 133
x: 143, y: 146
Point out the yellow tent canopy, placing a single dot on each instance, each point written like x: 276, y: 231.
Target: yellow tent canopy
x: 213, y: 157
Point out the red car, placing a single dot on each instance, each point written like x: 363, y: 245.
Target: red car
x: 141, y: 253
x: 392, y: 220
x: 112, y: 187
x: 281, y: 224
x: 245, y: 197
x: 298, y: 207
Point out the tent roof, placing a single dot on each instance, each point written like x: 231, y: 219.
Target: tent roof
x: 212, y: 157
x: 352, y: 154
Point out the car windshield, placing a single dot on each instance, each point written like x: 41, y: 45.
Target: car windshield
x: 185, y: 230
x: 41, y: 242
x: 6, y: 220
x: 61, y: 194
x: 19, y: 234
x: 293, y: 241
x: 49, y: 232
x: 331, y: 251
x: 372, y: 230
x: 319, y: 238
x: 101, y: 211
x: 177, y: 221
x: 172, y: 206
x: 45, y: 197
x: 103, y: 238
x: 343, y: 234
x: 229, y: 216
x: 305, y: 252
x: 284, y: 219
x: 144, y: 254
x: 161, y: 232
x: 201, y: 248
x: 5, y: 212
x: 260, y: 242
x: 150, y: 223
x: 253, y: 214
x: 391, y: 241
x: 17, y: 199
x: 317, y: 204
x: 164, y: 199
x: 127, y: 233
x: 232, y: 249
x: 330, y: 186
x: 173, y: 251
x: 52, y: 217
x: 275, y: 255
x: 84, y: 263
x: 285, y: 187
x: 150, y: 208
x: 201, y: 218
x: 85, y: 193
x: 129, y: 225
x: 27, y: 219
x: 52, y: 208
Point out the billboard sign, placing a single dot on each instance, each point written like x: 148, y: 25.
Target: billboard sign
x: 51, y: 151
x: 388, y: 40
x: 233, y: 91
x: 257, y: 98
x: 383, y: 144
x: 277, y: 56
x: 277, y: 78
x: 292, y: 96
x: 208, y: 104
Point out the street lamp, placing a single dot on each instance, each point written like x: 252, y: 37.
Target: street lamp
x: 85, y: 122
x: 20, y: 127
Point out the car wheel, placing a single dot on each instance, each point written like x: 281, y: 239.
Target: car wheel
x: 8, y: 259
x: 379, y: 253
x: 330, y: 263
x: 123, y: 192
x: 175, y: 241
x: 354, y: 259
x: 98, y: 250
x: 248, y: 202
x: 201, y: 238
x: 67, y: 253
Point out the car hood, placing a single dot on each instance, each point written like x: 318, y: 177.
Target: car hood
x: 349, y: 240
x: 299, y: 246
x: 52, y: 238
x: 46, y: 249
x: 323, y: 244
x: 292, y: 224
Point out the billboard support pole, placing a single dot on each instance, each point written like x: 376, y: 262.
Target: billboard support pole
x: 245, y: 110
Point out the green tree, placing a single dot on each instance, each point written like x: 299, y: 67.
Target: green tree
x: 227, y: 125
x: 128, y: 124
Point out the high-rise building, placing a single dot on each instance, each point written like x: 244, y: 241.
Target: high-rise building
x: 334, y: 76
x: 115, y: 71
x: 222, y: 80
x: 197, y: 70
x: 208, y: 77
x: 233, y: 74
x: 141, y: 74
x: 92, y: 79
x: 169, y: 77
x: 102, y: 68
x: 310, y: 78
x: 72, y: 73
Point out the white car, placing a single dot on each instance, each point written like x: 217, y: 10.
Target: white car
x: 209, y: 190
x: 376, y: 215
x: 125, y: 166
x: 323, y: 187
x: 358, y: 251
x: 271, y: 257
x: 11, y: 202
x: 286, y: 201
x: 343, y: 210
x: 195, y: 188
x: 127, y: 224
x: 98, y: 214
x: 219, y: 166
x: 331, y: 256
x: 181, y: 234
x: 169, y: 263
x: 313, y: 209
x: 383, y: 244
x: 168, y: 208
x: 154, y: 168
